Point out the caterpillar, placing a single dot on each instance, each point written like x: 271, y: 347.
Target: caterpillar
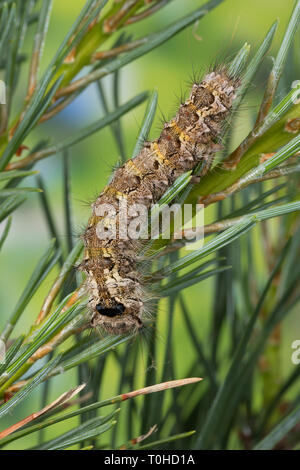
x: 117, y: 296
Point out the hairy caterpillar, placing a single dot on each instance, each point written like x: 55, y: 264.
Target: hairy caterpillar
x: 117, y: 297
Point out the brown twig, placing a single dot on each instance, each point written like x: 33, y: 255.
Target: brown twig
x: 63, y: 399
x: 148, y: 12
x: 76, y: 85
x: 82, y: 82
x: 3, y: 118
x: 68, y: 331
x: 176, y: 245
x: 151, y: 389
x: 36, y: 55
x: 109, y: 25
x: 129, y: 46
x: 244, y: 182
x: 139, y: 439
x: 65, y: 333
x: 234, y: 158
x: 48, y: 302
x: 112, y: 23
x: 56, y: 108
x: 206, y: 230
x: 31, y: 158
x: 160, y: 387
x: 267, y: 99
x: 33, y: 71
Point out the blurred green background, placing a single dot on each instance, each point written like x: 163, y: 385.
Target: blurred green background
x: 168, y: 69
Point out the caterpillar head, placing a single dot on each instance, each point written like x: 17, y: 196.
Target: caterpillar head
x: 116, y: 304
x: 115, y: 320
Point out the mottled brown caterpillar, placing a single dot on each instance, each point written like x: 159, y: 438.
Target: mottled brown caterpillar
x: 117, y: 297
